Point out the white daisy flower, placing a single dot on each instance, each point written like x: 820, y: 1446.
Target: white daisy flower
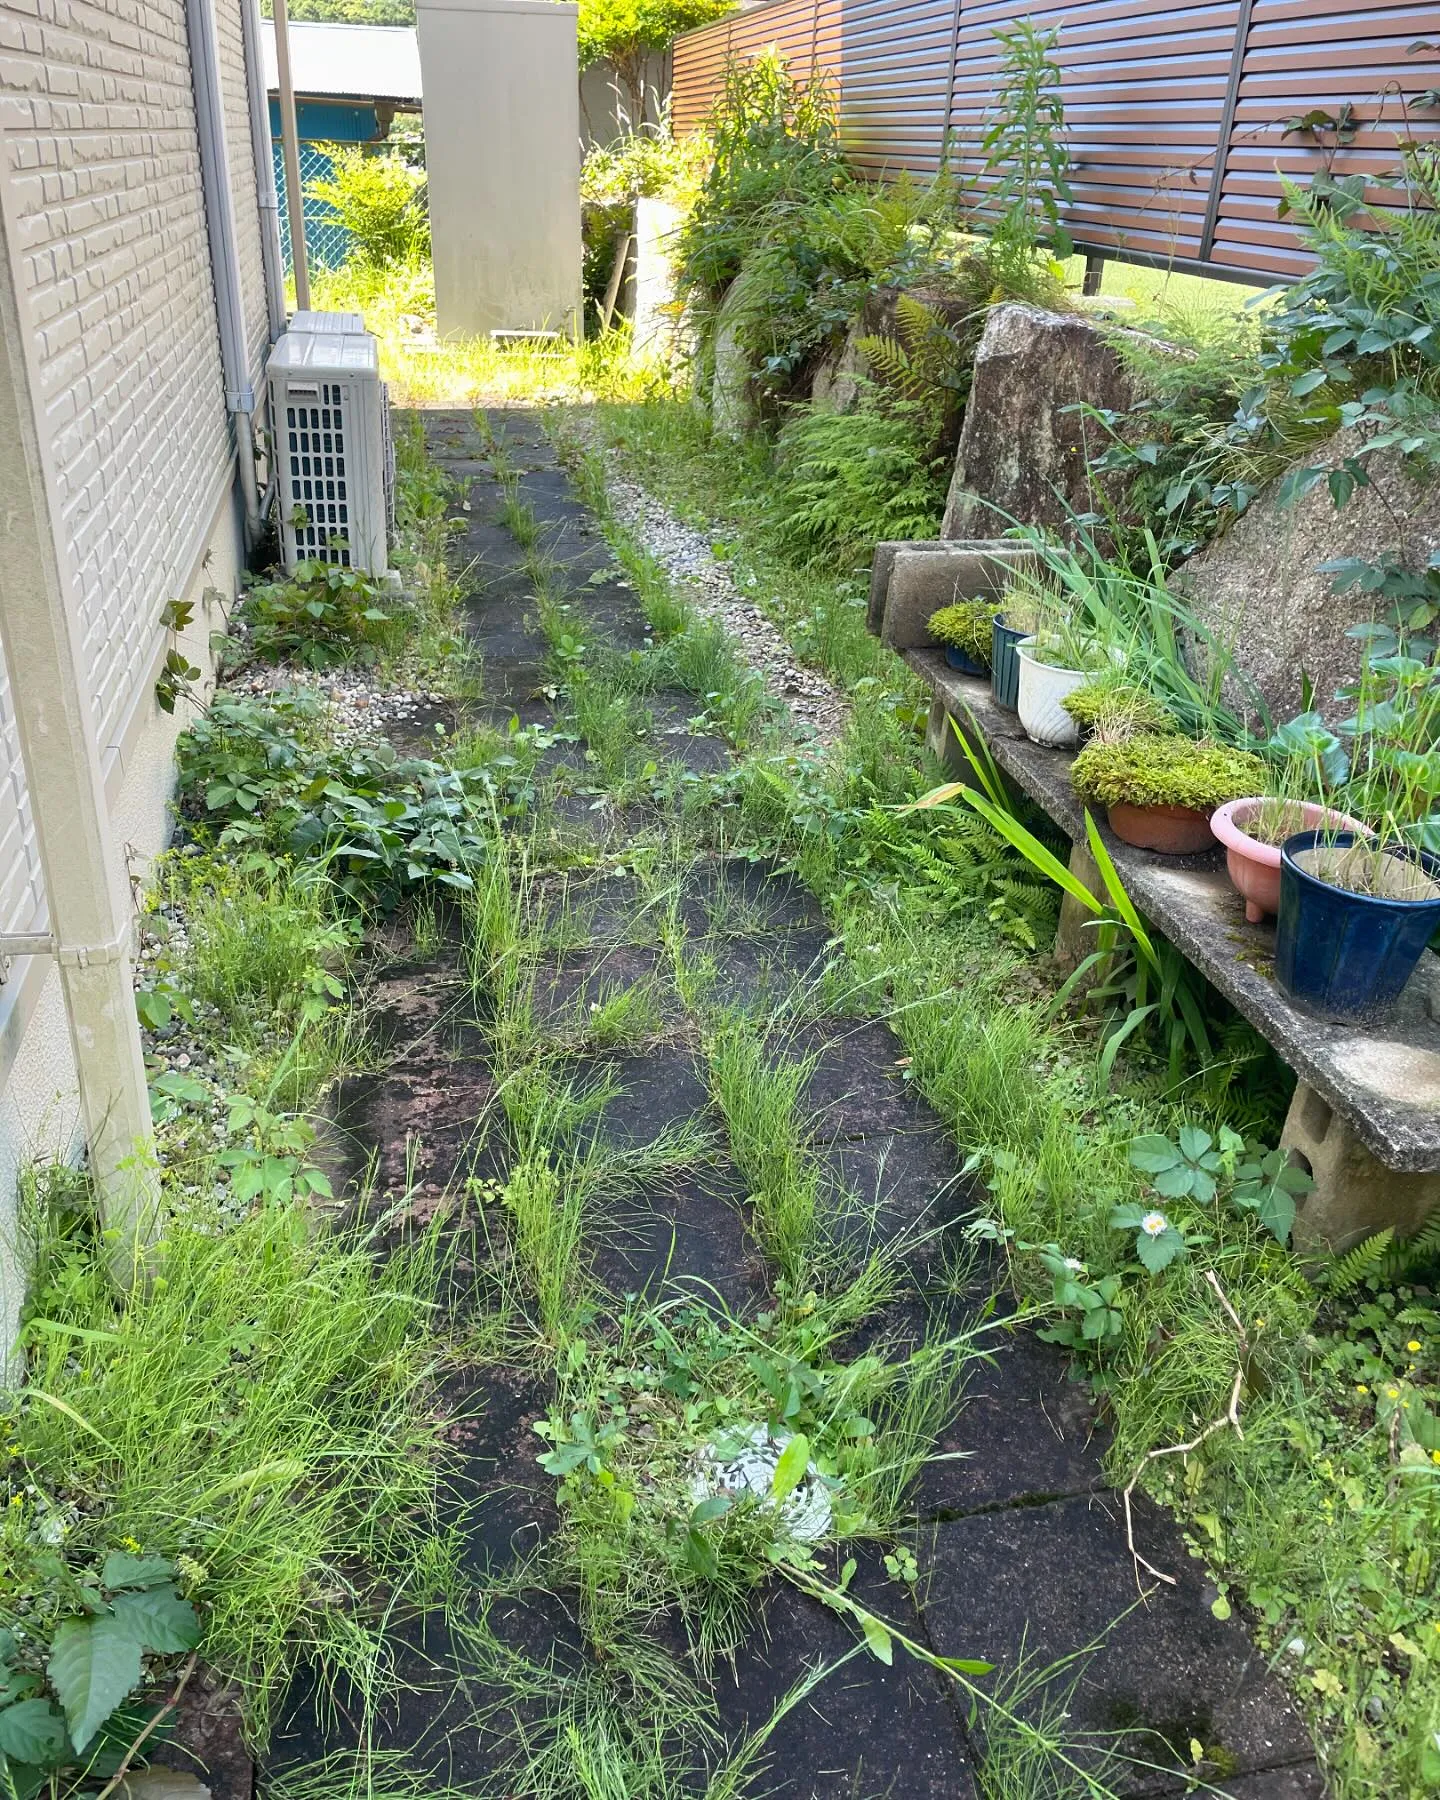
x: 1154, y: 1223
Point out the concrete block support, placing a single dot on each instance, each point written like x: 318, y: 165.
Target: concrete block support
x: 1355, y: 1194
x: 925, y: 577
x: 502, y: 155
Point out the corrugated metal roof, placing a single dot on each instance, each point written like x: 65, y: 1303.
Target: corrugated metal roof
x: 357, y: 62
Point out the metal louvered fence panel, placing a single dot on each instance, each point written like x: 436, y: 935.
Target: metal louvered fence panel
x: 1182, y: 117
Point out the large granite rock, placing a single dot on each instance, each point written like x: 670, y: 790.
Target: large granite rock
x: 1261, y: 590
x: 1024, y: 448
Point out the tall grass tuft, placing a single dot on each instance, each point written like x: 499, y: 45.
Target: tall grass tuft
x: 257, y: 1403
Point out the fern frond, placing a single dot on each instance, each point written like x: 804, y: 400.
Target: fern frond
x: 1359, y: 1264
x: 1415, y: 1252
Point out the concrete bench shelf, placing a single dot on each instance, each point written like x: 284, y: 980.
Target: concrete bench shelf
x: 1366, y: 1115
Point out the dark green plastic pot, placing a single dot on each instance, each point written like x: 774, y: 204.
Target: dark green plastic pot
x: 1005, y: 663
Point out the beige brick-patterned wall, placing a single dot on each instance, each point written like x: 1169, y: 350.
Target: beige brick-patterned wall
x: 104, y: 206
x: 99, y: 147
x: 99, y: 152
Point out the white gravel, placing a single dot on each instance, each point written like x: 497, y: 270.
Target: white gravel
x: 708, y: 584
x: 357, y: 710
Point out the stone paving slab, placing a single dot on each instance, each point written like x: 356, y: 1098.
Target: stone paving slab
x: 867, y: 1730
x: 1047, y: 1581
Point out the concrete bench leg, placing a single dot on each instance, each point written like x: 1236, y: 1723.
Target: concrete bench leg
x: 1076, y: 936
x: 944, y: 746
x: 1355, y: 1195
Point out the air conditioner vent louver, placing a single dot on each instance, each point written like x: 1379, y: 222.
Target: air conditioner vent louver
x: 333, y: 436
x: 315, y: 468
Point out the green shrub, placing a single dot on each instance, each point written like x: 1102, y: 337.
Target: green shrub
x: 1155, y: 770
x: 776, y: 142
x: 965, y: 626
x: 380, y: 201
x: 323, y: 614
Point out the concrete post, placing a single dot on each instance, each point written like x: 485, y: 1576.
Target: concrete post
x: 502, y: 164
x: 1355, y: 1194
x: 90, y: 917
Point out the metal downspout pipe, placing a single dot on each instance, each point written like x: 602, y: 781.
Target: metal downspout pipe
x: 264, y: 148
x: 224, y: 251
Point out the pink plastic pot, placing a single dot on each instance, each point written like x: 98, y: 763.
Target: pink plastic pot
x: 1253, y: 867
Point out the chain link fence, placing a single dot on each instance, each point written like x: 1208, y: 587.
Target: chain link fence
x: 327, y: 242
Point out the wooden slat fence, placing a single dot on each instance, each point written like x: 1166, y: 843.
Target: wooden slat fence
x: 1177, y: 112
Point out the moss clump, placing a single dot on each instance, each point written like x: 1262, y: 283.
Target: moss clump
x: 1156, y: 770
x: 965, y: 626
x: 1113, y: 712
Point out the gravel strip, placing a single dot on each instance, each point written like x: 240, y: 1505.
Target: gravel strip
x: 708, y: 584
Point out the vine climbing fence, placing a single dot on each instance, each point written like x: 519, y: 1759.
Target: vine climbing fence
x: 1183, y: 118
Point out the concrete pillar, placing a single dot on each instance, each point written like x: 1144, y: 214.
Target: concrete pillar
x: 1355, y: 1194
x: 502, y: 163
x: 90, y: 913
x: 657, y: 327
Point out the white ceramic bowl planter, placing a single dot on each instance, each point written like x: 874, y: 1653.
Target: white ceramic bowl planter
x: 1042, y: 688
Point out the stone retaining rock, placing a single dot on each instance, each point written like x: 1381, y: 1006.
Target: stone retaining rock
x: 1260, y: 588
x: 1023, y: 448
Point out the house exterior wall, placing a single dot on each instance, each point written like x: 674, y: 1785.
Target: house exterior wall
x: 110, y: 261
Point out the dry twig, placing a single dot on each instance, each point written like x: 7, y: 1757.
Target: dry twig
x: 1230, y: 1417
x: 161, y: 1712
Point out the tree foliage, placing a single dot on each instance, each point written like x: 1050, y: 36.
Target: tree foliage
x: 349, y: 12
x: 624, y: 32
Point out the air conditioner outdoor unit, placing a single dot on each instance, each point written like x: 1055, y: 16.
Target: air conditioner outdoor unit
x: 344, y: 322
x: 326, y: 321
x: 332, y: 447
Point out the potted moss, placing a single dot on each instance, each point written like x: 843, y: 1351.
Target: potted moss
x: 966, y: 630
x: 1160, y: 791
x: 1053, y: 664
x: 1108, y: 709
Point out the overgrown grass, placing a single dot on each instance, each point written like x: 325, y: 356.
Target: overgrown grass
x: 398, y: 304
x: 259, y: 1404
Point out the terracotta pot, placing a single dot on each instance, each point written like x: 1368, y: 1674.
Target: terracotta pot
x: 1253, y: 867
x: 1173, y: 830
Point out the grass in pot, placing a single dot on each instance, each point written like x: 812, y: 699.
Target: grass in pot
x: 1056, y: 661
x: 1018, y: 617
x: 1357, y: 912
x: 966, y: 630
x: 1310, y: 763
x: 1159, y: 791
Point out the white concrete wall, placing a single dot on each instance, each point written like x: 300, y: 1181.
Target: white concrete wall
x: 110, y: 260
x: 502, y: 157
x: 605, y: 104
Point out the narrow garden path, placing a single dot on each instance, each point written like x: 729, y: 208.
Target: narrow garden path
x: 1020, y: 1549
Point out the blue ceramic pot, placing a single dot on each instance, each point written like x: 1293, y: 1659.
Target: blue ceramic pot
x: 1347, y: 955
x: 1005, y: 663
x: 966, y: 664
